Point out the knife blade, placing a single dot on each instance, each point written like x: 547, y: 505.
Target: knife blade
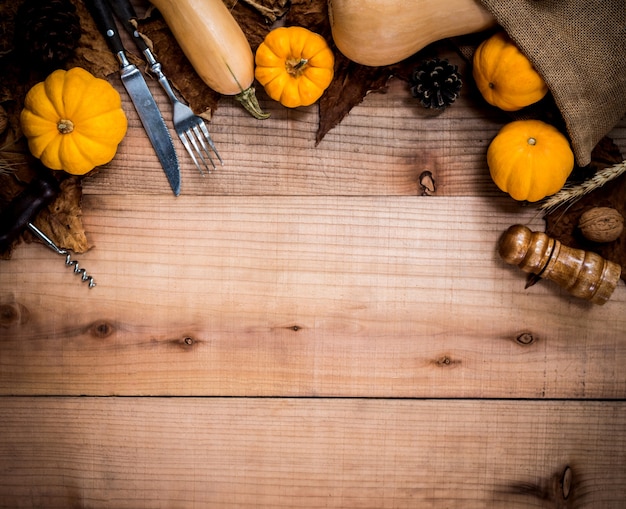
x: 139, y: 93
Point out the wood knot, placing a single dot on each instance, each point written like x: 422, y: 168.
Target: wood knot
x: 12, y: 314
x: 566, y: 482
x: 525, y: 338
x: 445, y: 361
x: 186, y: 342
x: 427, y: 183
x: 101, y: 330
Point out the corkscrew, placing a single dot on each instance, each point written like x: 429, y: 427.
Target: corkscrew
x: 584, y: 274
x: 68, y: 257
x: 18, y: 215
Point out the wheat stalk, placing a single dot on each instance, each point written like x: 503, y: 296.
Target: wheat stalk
x: 572, y: 193
x: 7, y: 167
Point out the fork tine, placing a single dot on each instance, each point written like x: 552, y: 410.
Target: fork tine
x: 201, y: 139
x: 183, y: 137
x: 190, y: 128
x: 193, y: 137
x: 209, y: 140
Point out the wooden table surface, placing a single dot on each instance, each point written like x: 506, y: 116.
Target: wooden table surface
x: 305, y: 328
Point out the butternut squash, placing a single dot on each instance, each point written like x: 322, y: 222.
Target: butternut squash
x: 383, y: 32
x: 215, y: 45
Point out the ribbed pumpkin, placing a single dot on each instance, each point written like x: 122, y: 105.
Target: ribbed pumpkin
x: 505, y: 76
x: 530, y: 159
x: 295, y: 65
x: 73, y: 121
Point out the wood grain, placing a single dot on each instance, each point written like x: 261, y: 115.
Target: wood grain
x: 311, y: 453
x: 393, y: 297
x: 303, y: 328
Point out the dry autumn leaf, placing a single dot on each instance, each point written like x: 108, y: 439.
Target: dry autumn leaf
x: 61, y: 220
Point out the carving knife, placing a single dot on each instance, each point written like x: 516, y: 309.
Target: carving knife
x: 138, y: 90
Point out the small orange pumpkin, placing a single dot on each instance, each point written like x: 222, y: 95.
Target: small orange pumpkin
x: 73, y: 121
x: 505, y: 76
x: 530, y: 159
x: 294, y: 65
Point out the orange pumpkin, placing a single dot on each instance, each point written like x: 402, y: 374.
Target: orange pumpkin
x: 294, y: 65
x: 73, y: 121
x: 530, y: 160
x: 505, y: 76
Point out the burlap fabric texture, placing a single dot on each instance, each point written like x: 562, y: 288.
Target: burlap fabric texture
x: 579, y: 48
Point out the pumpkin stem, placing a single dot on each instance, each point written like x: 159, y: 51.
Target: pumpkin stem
x: 532, y: 141
x: 296, y: 66
x: 65, y: 126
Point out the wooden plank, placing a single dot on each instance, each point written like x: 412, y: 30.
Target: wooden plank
x: 387, y: 297
x: 379, y: 149
x: 310, y: 453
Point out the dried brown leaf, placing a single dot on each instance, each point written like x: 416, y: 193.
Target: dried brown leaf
x: 251, y: 21
x: 61, y: 221
x: 311, y: 14
x: 351, y: 83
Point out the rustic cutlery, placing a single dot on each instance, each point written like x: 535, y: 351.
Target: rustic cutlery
x: 190, y: 128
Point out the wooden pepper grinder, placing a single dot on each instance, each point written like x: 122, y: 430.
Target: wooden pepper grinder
x: 583, y: 273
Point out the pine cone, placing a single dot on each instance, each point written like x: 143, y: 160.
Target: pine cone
x: 436, y: 83
x: 47, y: 32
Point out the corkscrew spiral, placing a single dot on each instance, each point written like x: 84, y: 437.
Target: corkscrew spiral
x: 68, y: 257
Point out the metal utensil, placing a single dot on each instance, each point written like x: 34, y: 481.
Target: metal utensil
x: 139, y: 93
x: 190, y: 128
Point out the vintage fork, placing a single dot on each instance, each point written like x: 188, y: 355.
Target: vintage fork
x: 190, y: 128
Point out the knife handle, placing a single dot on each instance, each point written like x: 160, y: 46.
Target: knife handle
x: 103, y: 16
x: 41, y: 191
x: 125, y: 13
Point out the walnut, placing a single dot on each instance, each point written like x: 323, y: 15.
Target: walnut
x: 601, y: 224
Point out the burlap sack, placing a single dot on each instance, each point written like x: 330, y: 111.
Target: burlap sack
x: 579, y: 48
